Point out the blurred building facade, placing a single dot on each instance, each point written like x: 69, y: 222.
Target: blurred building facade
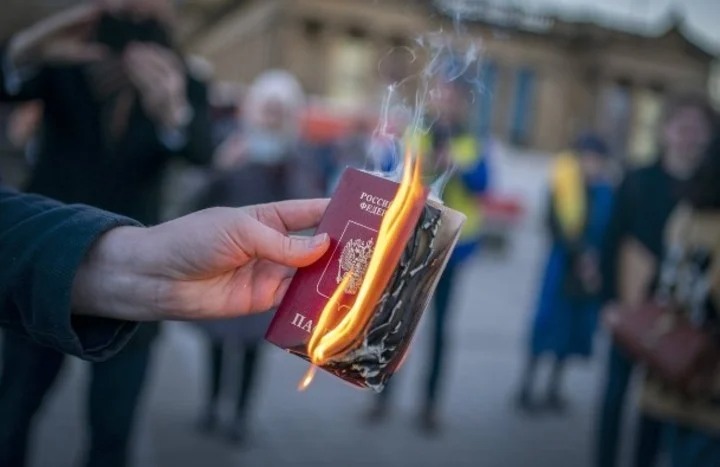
x: 543, y: 78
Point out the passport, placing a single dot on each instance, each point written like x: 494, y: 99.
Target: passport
x: 352, y: 221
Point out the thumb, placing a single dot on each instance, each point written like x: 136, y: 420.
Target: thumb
x: 288, y: 250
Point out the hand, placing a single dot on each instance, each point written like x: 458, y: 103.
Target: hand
x: 216, y: 263
x: 62, y: 38
x: 588, y: 269
x: 158, y: 75
x: 231, y: 153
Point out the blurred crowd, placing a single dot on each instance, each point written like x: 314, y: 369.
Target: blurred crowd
x: 104, y: 113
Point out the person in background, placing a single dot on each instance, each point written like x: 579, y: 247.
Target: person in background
x: 264, y: 162
x: 566, y: 316
x: 362, y: 148
x: 642, y: 207
x: 352, y: 150
x: 118, y: 104
x: 456, y: 156
x: 691, y: 422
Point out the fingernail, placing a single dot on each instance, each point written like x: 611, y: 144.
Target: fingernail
x: 318, y: 240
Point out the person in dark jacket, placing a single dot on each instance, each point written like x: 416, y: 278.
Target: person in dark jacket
x: 78, y: 279
x: 459, y: 157
x: 118, y: 104
x: 643, y: 204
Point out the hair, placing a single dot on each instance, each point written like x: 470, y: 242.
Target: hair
x: 281, y: 86
x: 588, y: 141
x: 685, y: 100
x: 702, y: 190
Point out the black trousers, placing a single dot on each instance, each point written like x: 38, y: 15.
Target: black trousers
x: 613, y: 406
x: 438, y: 349
x: 28, y: 374
x: 247, y: 382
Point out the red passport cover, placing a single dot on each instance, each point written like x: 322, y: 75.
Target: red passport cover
x: 353, y: 216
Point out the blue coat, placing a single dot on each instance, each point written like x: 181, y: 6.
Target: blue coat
x: 564, y: 326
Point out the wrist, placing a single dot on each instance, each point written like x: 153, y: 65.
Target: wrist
x: 115, y: 280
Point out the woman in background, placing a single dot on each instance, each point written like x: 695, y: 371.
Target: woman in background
x: 632, y: 253
x: 690, y: 422
x: 566, y: 316
x: 262, y: 163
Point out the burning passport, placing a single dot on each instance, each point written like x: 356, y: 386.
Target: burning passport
x: 354, y: 312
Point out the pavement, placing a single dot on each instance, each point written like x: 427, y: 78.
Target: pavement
x: 323, y: 426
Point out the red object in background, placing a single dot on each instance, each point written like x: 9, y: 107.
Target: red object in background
x: 324, y: 125
x: 320, y: 126
x: 501, y: 209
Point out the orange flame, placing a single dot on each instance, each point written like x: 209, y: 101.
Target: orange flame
x: 335, y: 332
x: 307, y: 379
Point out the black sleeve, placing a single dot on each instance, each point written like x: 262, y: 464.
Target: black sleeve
x: 42, y: 243
x: 617, y: 230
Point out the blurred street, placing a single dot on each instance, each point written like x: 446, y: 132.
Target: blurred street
x: 324, y: 425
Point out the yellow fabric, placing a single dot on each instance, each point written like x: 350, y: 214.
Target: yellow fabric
x: 568, y: 195
x: 458, y: 197
x: 465, y: 152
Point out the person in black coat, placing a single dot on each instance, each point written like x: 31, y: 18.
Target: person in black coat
x: 643, y: 204
x: 119, y: 104
x: 79, y: 279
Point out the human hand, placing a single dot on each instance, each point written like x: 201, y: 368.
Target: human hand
x: 62, y: 38
x: 588, y: 269
x: 158, y: 75
x: 215, y: 263
x: 231, y: 153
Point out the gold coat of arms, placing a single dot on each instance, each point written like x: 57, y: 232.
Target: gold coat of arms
x: 354, y: 259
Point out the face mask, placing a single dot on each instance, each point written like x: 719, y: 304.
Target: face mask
x: 267, y: 148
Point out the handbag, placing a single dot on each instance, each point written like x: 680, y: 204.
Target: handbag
x: 666, y: 333
x: 667, y: 343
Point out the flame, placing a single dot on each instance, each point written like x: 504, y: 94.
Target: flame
x: 307, y: 379
x: 336, y: 332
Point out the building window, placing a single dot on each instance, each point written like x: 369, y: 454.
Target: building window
x: 645, y: 118
x: 486, y: 97
x: 614, y: 112
x: 352, y: 65
x: 521, y: 116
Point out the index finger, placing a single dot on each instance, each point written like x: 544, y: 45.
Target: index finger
x: 292, y: 215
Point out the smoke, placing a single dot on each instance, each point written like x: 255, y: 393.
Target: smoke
x: 409, y: 106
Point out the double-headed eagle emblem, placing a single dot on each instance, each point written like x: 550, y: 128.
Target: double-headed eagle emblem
x: 354, y: 259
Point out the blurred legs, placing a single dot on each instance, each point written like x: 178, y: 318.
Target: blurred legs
x: 442, y: 302
x: 246, y: 387
x: 29, y: 371
x: 115, y: 390
x: 619, y: 370
x: 208, y: 419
